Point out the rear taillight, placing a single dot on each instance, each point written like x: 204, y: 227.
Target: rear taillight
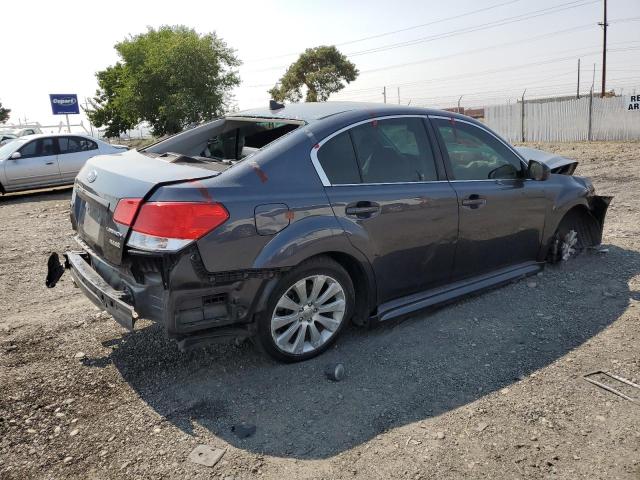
x: 183, y: 220
x: 126, y: 210
x: 168, y: 226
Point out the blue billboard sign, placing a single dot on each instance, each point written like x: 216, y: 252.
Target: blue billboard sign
x: 64, y: 104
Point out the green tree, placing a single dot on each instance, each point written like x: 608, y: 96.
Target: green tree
x: 322, y: 70
x: 4, y: 113
x: 170, y: 77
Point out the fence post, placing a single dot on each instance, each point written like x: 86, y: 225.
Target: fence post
x: 590, y: 114
x: 522, y: 119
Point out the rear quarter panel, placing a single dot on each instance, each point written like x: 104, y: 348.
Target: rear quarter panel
x: 280, y: 174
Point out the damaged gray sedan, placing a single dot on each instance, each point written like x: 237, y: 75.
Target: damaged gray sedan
x: 283, y: 224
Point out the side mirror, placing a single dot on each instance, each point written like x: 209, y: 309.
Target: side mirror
x: 538, y: 171
x: 15, y: 156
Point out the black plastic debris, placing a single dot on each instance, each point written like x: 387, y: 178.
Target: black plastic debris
x: 54, y: 270
x: 334, y: 371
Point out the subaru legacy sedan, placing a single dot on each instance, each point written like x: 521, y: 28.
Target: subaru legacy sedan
x: 283, y: 224
x: 40, y: 160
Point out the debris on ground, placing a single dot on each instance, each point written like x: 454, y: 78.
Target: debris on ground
x: 334, y: 371
x: 206, y: 455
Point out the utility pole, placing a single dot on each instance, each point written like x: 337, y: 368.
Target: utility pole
x: 522, y: 119
x: 86, y: 108
x: 578, y: 90
x: 459, y: 104
x: 384, y: 94
x: 604, y: 26
x: 398, y: 95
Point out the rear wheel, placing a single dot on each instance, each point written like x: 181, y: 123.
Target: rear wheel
x: 306, y: 311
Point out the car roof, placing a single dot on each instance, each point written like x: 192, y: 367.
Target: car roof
x: 313, y: 111
x: 48, y: 135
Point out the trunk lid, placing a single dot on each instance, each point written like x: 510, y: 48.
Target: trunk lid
x: 106, y: 179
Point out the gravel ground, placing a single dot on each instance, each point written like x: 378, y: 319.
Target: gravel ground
x: 487, y: 387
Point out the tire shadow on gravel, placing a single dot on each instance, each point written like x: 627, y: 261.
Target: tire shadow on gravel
x: 396, y: 374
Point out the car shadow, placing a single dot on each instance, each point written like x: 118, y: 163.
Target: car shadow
x: 396, y: 374
x: 43, y: 195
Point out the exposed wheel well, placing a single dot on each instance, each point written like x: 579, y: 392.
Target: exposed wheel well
x: 360, y: 285
x: 591, y: 228
x: 586, y: 225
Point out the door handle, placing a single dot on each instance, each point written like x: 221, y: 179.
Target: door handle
x: 49, y: 163
x: 362, y: 209
x: 474, y: 201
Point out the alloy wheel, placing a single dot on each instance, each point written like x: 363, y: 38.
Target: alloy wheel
x: 568, y: 245
x: 308, y: 314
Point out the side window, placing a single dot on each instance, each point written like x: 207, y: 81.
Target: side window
x: 46, y: 147
x: 394, y: 150
x: 38, y: 148
x: 338, y: 160
x: 29, y: 150
x: 69, y: 145
x: 86, y: 144
x: 474, y: 154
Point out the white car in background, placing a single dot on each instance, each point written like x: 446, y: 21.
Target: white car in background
x: 47, y: 160
x: 8, y: 135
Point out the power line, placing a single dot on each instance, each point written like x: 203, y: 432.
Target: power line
x: 509, y: 68
x: 468, y: 52
x: 393, y: 32
x: 483, y: 26
x: 519, y: 82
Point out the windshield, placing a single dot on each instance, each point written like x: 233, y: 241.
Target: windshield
x: 8, y: 148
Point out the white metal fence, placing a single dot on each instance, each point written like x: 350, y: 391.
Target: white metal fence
x: 586, y: 118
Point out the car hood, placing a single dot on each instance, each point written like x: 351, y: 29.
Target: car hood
x: 556, y: 163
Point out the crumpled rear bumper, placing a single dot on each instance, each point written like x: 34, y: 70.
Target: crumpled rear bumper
x: 194, y: 306
x: 96, y: 289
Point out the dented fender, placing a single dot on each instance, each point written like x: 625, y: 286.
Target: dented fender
x: 568, y: 199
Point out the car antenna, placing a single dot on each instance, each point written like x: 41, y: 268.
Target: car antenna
x: 273, y: 105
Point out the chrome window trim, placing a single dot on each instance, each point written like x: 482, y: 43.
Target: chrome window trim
x: 325, y: 180
x: 323, y: 176
x: 482, y: 127
x: 385, y: 183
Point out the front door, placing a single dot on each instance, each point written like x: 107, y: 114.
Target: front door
x: 37, y: 165
x: 383, y: 184
x: 501, y: 212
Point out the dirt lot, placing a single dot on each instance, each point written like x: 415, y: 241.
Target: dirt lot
x: 487, y: 387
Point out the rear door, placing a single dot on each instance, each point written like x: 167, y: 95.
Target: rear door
x: 501, y: 212
x: 37, y: 165
x: 73, y: 153
x: 388, y: 192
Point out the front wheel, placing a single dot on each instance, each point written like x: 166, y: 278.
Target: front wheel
x: 571, y: 238
x: 306, y: 311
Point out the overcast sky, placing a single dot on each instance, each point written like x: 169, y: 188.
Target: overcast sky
x: 433, y: 51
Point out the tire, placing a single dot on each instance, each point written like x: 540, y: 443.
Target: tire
x: 293, y: 328
x: 571, y: 238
